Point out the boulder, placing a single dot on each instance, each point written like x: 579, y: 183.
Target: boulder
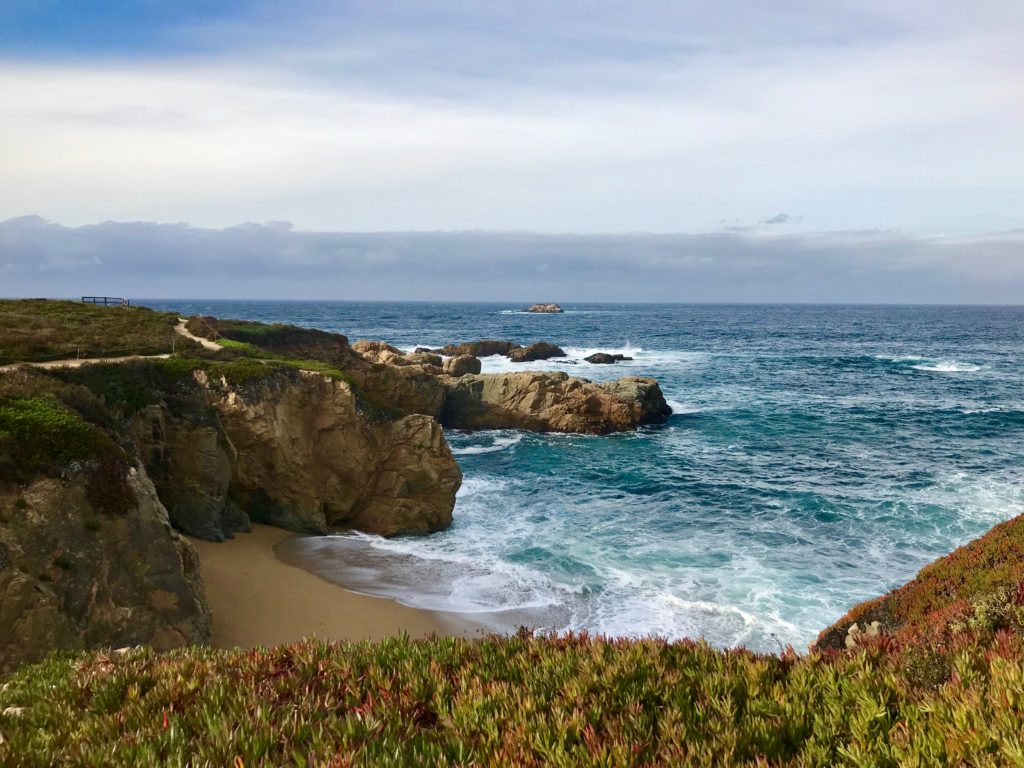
x: 425, y: 358
x: 552, y: 402
x: 462, y: 365
x: 545, y: 308
x: 76, y: 575
x: 540, y: 351
x: 603, y: 358
x: 379, y: 352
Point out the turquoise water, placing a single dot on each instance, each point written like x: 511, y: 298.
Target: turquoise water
x: 817, y: 456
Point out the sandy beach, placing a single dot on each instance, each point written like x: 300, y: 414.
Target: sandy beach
x: 257, y: 599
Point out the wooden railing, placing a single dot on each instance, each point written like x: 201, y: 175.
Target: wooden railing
x: 106, y: 301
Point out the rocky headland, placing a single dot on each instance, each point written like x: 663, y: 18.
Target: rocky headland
x: 104, y: 466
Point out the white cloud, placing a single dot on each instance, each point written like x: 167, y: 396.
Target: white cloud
x: 586, y: 119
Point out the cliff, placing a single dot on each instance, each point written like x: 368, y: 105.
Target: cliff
x: 87, y: 553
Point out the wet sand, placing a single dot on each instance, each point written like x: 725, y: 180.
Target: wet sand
x: 257, y: 599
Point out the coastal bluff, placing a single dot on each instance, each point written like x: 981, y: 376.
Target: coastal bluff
x: 211, y: 426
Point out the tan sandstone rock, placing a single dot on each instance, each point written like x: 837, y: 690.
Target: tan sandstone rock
x: 552, y: 402
x: 308, y: 459
x: 462, y: 365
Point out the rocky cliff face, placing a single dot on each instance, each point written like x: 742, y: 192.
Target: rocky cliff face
x: 294, y: 449
x: 552, y: 402
x: 306, y: 459
x: 73, y: 575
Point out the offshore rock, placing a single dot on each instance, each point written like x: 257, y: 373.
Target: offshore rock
x: 603, y: 358
x: 482, y: 348
x: 545, y: 308
x: 539, y: 351
x: 552, y: 402
x: 75, y: 576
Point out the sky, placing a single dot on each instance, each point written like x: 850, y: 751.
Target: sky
x: 854, y: 150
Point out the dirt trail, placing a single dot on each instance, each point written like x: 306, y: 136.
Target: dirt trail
x: 180, y: 328
x: 69, y: 363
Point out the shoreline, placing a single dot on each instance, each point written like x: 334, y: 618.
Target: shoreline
x: 258, y: 599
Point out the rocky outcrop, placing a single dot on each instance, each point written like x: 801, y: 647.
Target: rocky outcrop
x: 482, y: 348
x: 552, y: 402
x: 308, y: 460
x: 75, y: 575
x: 539, y: 351
x: 603, y: 358
x: 545, y: 308
x: 462, y: 365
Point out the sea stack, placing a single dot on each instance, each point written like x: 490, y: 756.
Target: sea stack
x: 551, y: 309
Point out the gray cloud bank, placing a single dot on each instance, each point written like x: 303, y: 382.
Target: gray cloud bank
x: 274, y: 260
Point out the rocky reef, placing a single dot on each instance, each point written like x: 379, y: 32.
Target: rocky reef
x: 551, y: 308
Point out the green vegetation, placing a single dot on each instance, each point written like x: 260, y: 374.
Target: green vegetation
x: 40, y: 330
x: 40, y: 434
x: 956, y: 591
x: 514, y: 701
x: 252, y: 351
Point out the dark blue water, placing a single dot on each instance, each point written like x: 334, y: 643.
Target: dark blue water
x: 818, y: 456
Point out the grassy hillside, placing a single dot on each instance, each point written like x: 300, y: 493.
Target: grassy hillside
x: 979, y: 586
x: 36, y: 330
x: 516, y: 701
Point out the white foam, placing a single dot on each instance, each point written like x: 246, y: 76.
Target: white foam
x: 947, y: 366
x: 679, y: 408
x: 498, y: 444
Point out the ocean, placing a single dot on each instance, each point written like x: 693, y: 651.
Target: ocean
x: 817, y: 456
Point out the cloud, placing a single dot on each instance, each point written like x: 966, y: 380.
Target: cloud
x: 780, y: 218
x: 276, y: 260
x: 574, y: 117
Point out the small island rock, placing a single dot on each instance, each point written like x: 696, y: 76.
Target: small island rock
x: 551, y: 309
x: 539, y: 351
x: 603, y: 358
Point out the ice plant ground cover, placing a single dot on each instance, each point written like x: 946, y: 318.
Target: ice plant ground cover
x: 521, y: 700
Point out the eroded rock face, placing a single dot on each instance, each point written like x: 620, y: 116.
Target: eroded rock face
x: 190, y: 464
x: 307, y: 459
x: 552, y: 402
x: 74, y: 577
